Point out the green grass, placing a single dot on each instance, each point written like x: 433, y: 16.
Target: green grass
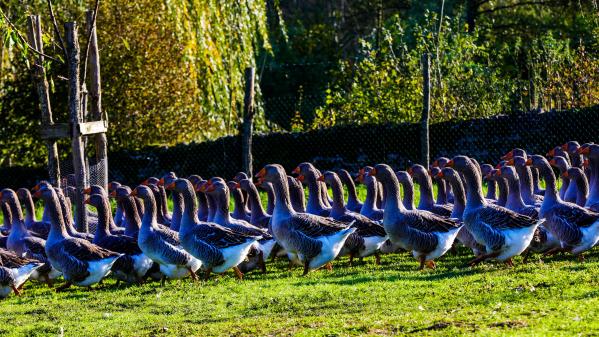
x: 558, y: 297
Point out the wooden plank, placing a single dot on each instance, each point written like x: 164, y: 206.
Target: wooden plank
x: 43, y: 91
x: 56, y: 131
x: 426, y: 108
x: 91, y: 128
x: 74, y: 104
x: 95, y: 97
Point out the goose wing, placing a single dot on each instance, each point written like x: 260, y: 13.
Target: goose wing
x: 365, y: 226
x: 120, y: 243
x: 314, y: 226
x: 502, y: 218
x: 426, y: 221
x: 84, y: 250
x: 219, y: 236
x: 168, y: 235
x: 9, y: 259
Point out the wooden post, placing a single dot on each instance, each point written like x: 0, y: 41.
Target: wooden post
x: 39, y: 77
x: 426, y: 108
x: 248, y: 121
x: 72, y: 45
x: 95, y: 97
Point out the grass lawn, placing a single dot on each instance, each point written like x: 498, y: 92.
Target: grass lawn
x: 558, y: 297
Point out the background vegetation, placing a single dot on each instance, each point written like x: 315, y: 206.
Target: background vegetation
x: 172, y: 70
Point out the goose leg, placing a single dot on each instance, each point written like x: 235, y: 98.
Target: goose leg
x: 377, y: 258
x: 238, y: 273
x: 422, y: 261
x: 580, y: 258
x: 16, y: 290
x: 207, y: 274
x: 306, y: 268
x: 162, y: 280
x: 351, y: 259
x: 261, y: 262
x: 553, y: 251
x: 49, y: 282
x: 526, y: 255
x: 329, y: 266
x: 193, y: 274
x: 431, y: 264
x: 509, y: 262
x: 482, y: 258
x: 63, y: 287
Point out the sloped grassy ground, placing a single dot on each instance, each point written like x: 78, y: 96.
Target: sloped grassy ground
x: 557, y: 298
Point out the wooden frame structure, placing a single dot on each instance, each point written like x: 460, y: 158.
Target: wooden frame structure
x: 79, y: 126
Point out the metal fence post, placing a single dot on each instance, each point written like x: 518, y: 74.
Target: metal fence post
x: 248, y: 121
x: 426, y: 108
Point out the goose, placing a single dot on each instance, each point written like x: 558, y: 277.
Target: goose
x: 81, y: 262
x: 160, y: 194
x: 502, y: 187
x: 307, y: 174
x: 459, y: 204
x: 296, y: 193
x: 21, y: 242
x: 163, y: 216
x: 441, y: 186
x: 577, y: 228
x: 407, y: 188
x: 353, y: 203
x: 270, y: 196
x: 369, y: 207
x: 504, y: 233
x: 217, y: 247
x: 40, y: 227
x: 543, y: 240
x: 427, y: 202
x: 440, y: 163
x: 237, y: 178
x: 369, y: 235
x: 218, y: 188
x: 126, y: 202
x: 70, y: 210
x: 14, y: 272
x: 162, y: 245
x: 426, y: 234
x: 118, y: 213
x: 196, y: 180
x: 312, y: 240
x: 568, y: 190
x: 258, y: 217
x: 133, y: 265
x: 592, y: 152
x: 536, y: 182
x: 572, y: 148
x: 525, y: 174
x: 239, y: 211
x: 491, y: 195
x: 576, y: 176
x: 97, y: 189
x: 7, y: 215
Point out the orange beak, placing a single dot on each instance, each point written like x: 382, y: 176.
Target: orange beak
x: 586, y: 163
x: 529, y: 162
x: 321, y: 178
x: 145, y: 182
x: 87, y: 190
x: 410, y: 171
x: 261, y: 174
x: 87, y: 201
x: 237, y: 185
x: 171, y: 186
x: 210, y: 188
x: 449, y: 163
x: 565, y: 174
x: 113, y: 193
x: 296, y: 170
x: 508, y: 155
x: 373, y: 172
x: 1, y: 195
x: 498, y: 172
x: 551, y: 162
x: 37, y: 194
x: 36, y: 187
x: 204, y: 186
x: 301, y: 178
x: 510, y: 162
x: 584, y: 150
x: 133, y: 193
x: 440, y: 174
x: 498, y: 166
x: 161, y: 182
x: 551, y: 153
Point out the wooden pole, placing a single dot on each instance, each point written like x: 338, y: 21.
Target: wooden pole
x: 95, y: 97
x: 426, y: 108
x: 248, y: 120
x: 43, y: 91
x: 74, y: 105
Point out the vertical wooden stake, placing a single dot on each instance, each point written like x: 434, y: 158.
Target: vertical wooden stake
x: 95, y: 97
x: 426, y: 108
x: 72, y: 45
x: 248, y: 121
x: 39, y: 77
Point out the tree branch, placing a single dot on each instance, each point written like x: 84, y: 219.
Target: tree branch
x: 24, y: 41
x: 56, y: 30
x: 524, y: 3
x: 89, y: 35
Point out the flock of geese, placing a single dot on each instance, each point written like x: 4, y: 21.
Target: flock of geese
x: 144, y: 240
